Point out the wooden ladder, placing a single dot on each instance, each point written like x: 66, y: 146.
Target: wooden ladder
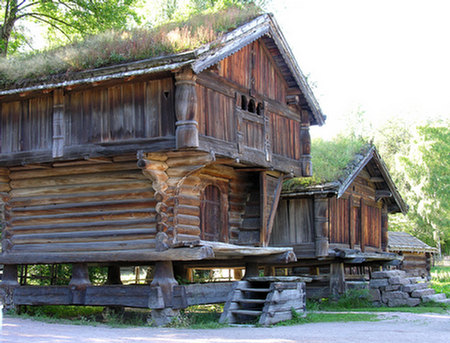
x: 264, y: 300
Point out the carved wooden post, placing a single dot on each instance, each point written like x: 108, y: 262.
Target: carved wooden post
x: 321, y: 225
x: 305, y: 140
x: 186, y: 110
x: 384, y: 228
x: 9, y: 275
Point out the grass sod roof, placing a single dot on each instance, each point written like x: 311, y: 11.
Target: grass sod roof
x: 333, y: 161
x: 113, y: 47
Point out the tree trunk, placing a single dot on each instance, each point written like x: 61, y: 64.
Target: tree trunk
x: 7, y: 26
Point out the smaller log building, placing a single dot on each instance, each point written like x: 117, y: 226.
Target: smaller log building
x: 417, y: 255
x: 339, y: 226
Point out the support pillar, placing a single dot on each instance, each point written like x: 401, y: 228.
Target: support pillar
x: 113, y: 276
x: 251, y: 270
x: 337, y: 279
x: 7, y: 286
x: 165, y: 280
x: 305, y: 139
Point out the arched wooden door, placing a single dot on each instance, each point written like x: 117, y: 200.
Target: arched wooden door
x: 214, y: 218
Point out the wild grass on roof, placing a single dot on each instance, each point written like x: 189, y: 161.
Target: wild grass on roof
x: 114, y: 47
x: 331, y: 160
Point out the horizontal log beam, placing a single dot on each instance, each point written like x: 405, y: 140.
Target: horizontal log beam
x: 138, y: 255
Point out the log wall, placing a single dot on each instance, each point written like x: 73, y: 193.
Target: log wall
x: 123, y: 112
x: 79, y: 206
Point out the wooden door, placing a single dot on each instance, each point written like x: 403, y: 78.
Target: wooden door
x: 213, y: 215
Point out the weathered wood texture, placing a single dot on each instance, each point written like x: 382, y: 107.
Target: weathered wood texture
x: 79, y: 206
x: 127, y: 111
x: 356, y: 218
x: 95, y: 115
x: 416, y: 264
x: 293, y: 222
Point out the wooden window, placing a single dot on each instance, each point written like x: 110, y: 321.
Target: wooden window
x: 214, y: 217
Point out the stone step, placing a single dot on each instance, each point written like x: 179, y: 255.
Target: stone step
x: 415, y: 287
x: 422, y: 292
x: 444, y: 301
x: 440, y: 297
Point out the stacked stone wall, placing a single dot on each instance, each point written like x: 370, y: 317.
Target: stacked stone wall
x: 396, y: 288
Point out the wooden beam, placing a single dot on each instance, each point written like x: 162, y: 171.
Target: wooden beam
x: 273, y: 210
x: 337, y: 279
x: 376, y: 179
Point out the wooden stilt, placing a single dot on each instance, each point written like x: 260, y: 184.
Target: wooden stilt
x: 113, y: 276
x: 80, y: 275
x: 164, y: 278
x: 10, y: 275
x: 337, y: 279
x: 251, y: 270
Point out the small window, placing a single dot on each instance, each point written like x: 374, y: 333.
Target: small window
x: 251, y: 106
x: 244, y: 102
x: 260, y: 109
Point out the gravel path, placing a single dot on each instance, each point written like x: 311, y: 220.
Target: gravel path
x: 395, y: 327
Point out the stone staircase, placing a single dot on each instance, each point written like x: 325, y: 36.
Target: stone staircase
x: 264, y: 300
x: 395, y: 288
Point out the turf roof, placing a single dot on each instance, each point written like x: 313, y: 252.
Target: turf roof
x: 112, y: 48
x: 333, y: 161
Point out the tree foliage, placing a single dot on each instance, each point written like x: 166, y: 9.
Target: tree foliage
x: 69, y: 18
x: 418, y: 159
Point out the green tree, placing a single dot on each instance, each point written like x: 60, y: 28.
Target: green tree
x: 427, y: 171
x: 62, y: 17
x: 418, y: 160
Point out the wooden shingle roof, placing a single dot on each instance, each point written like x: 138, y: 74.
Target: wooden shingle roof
x: 403, y: 241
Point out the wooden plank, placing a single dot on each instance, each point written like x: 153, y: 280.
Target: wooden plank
x: 273, y: 210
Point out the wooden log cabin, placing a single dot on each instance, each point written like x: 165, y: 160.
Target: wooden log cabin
x: 417, y: 255
x: 171, y: 159
x: 340, y: 224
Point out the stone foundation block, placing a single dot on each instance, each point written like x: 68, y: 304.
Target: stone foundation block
x: 413, y: 302
x: 415, y: 279
x: 374, y: 294
x: 397, y: 280
x: 414, y: 287
x: 422, y: 292
x: 434, y: 297
x: 377, y: 283
x: 392, y: 288
x: 388, y: 274
x: 397, y: 302
x: 386, y: 296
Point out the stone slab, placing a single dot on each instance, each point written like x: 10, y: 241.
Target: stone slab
x: 414, y: 287
x: 434, y: 297
x: 377, y: 283
x: 422, y: 292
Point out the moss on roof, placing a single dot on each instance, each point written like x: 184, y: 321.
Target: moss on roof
x: 110, y: 48
x: 332, y: 161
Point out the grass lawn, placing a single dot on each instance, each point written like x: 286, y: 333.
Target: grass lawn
x: 440, y: 279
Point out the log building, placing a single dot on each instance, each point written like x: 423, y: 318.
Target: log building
x: 171, y: 159
x: 417, y: 255
x: 339, y: 224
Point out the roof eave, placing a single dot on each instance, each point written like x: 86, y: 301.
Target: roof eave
x: 232, y: 42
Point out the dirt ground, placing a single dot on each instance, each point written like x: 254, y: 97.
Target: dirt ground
x: 395, y: 327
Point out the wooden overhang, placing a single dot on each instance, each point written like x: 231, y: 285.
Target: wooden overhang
x: 353, y: 256
x: 379, y: 174
x: 194, y: 251
x: 264, y: 27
